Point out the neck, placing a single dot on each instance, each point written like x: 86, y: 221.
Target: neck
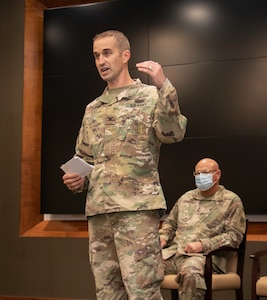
x: 123, y: 80
x: 120, y: 84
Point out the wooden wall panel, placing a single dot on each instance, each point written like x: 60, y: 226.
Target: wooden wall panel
x: 31, y: 127
x: 30, y: 298
x: 31, y: 220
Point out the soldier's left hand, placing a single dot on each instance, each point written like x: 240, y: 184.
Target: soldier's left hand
x: 154, y: 70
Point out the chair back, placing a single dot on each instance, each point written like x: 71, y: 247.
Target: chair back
x: 258, y: 279
x: 241, y: 254
x: 235, y: 263
x: 231, y: 261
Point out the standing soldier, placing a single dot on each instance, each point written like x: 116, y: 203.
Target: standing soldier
x: 121, y: 134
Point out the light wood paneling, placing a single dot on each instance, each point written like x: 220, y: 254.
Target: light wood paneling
x: 32, y: 116
x: 31, y: 298
x: 77, y: 229
x: 62, y: 3
x: 31, y: 220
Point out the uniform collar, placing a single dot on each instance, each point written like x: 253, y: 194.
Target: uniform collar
x: 126, y: 93
x: 217, y: 196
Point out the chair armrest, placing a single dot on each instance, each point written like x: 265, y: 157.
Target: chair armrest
x: 240, y: 262
x: 258, y: 254
x: 256, y: 269
x: 208, y: 264
x: 215, y: 251
x: 225, y: 248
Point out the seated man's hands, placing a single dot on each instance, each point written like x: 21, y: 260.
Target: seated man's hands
x: 163, y: 243
x: 193, y: 247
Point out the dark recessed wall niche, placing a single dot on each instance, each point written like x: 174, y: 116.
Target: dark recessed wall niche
x: 216, y: 56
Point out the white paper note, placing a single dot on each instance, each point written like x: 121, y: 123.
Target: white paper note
x: 76, y: 165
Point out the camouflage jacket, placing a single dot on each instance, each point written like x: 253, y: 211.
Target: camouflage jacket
x: 122, y: 136
x: 216, y: 221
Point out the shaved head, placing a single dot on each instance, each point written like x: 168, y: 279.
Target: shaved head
x: 208, y: 163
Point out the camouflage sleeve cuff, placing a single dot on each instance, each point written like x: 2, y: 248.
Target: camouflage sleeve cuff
x: 206, y: 245
x: 166, y: 88
x: 82, y: 187
x: 169, y: 98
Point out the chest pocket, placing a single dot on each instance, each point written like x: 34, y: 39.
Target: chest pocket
x: 129, y: 121
x: 125, y: 128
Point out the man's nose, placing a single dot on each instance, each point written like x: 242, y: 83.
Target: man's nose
x: 101, y: 59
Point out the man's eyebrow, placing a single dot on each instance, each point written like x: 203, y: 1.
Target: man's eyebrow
x: 103, y: 50
x: 106, y: 49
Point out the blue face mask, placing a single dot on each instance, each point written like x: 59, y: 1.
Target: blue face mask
x: 204, y: 181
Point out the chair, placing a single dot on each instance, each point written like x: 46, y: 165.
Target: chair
x: 258, y: 281
x: 232, y: 280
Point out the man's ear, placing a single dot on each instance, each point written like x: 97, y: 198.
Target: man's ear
x: 126, y: 56
x: 219, y: 174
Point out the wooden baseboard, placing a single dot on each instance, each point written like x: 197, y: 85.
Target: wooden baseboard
x: 32, y: 298
x: 257, y: 231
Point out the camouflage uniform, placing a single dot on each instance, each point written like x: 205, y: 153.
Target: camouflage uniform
x: 125, y: 251
x: 121, y: 134
x: 218, y: 220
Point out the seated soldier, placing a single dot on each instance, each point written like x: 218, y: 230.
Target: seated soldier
x: 202, y: 220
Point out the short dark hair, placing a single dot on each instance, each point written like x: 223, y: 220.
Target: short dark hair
x: 122, y: 40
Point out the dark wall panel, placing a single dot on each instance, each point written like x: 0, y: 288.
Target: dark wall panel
x: 71, y: 81
x: 216, y: 56
x: 242, y: 160
x: 69, y: 33
x: 224, y: 98
x: 196, y: 31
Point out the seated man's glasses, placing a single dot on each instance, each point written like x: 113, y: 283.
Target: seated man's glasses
x: 195, y: 173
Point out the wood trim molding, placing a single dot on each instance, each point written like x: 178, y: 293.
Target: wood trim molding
x: 31, y: 220
x: 25, y: 298
x: 31, y: 298
x: 31, y: 116
x: 73, y: 229
x: 64, y: 3
x: 257, y: 231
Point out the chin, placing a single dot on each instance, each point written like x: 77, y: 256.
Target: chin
x: 105, y: 77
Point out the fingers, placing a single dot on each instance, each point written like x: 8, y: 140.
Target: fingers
x: 148, y: 66
x: 154, y: 70
x: 193, y: 247
x: 163, y: 243
x: 72, y: 181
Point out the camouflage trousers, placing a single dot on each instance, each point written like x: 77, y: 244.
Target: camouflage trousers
x: 125, y: 255
x: 190, y: 275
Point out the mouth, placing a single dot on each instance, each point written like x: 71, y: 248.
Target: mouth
x: 104, y: 70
